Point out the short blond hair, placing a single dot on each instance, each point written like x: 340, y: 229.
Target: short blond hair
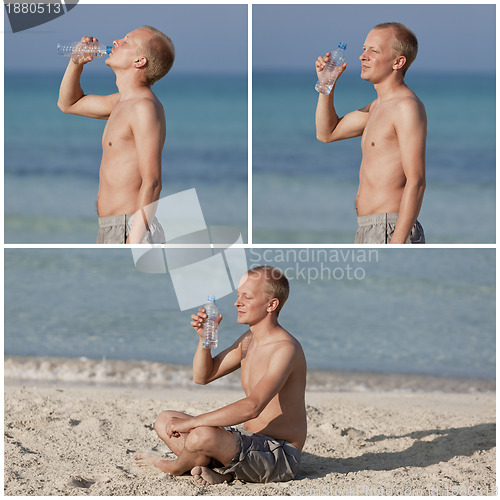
x: 276, y: 283
x: 159, y: 51
x: 405, y: 42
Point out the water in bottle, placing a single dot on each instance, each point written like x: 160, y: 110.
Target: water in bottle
x: 330, y: 73
x: 83, y: 49
x: 211, y: 324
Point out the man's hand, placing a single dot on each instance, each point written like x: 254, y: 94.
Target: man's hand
x: 80, y: 59
x: 197, y: 320
x: 177, y: 426
x: 321, y: 63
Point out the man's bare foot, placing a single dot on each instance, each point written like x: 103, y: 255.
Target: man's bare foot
x: 206, y: 476
x: 145, y: 458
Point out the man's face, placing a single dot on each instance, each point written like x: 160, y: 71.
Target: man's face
x: 128, y: 49
x: 252, y: 302
x: 377, y: 60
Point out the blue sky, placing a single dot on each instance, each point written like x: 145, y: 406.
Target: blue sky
x: 207, y: 38
x: 451, y: 37
x: 213, y: 38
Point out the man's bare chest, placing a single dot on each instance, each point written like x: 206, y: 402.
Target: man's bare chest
x: 379, y: 132
x: 253, y: 366
x: 117, y: 131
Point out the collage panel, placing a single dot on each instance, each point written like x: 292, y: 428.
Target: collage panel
x: 56, y: 163
x: 315, y: 188
x: 399, y: 346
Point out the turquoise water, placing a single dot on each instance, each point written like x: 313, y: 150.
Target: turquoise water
x: 310, y: 187
x: 361, y: 310
x: 52, y: 159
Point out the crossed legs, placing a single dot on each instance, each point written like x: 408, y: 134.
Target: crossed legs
x: 194, y: 451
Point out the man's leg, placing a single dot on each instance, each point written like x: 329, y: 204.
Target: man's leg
x: 194, y: 449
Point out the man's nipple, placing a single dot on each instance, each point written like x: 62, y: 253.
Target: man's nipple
x: 373, y: 144
x: 110, y: 144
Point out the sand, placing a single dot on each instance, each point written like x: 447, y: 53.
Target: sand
x: 80, y: 440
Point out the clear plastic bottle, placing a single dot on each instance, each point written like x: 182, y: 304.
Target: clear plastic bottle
x: 330, y: 73
x: 84, y: 49
x: 211, y: 324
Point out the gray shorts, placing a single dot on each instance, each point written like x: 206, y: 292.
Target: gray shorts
x: 260, y: 459
x: 379, y: 228
x: 115, y: 229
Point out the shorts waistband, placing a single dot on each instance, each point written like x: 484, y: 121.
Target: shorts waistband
x: 114, y: 220
x: 373, y: 219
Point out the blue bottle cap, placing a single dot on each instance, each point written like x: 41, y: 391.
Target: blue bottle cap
x: 109, y: 48
x: 342, y: 46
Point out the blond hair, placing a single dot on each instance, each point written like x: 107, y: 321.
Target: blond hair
x: 159, y: 51
x: 405, y: 42
x: 276, y: 283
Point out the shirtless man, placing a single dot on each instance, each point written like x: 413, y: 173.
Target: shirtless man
x: 133, y: 138
x: 393, y: 131
x: 273, y: 376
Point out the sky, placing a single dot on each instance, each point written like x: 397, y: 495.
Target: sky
x: 451, y: 37
x: 207, y: 38
x: 214, y: 38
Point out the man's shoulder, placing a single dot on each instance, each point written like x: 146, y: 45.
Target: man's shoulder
x: 409, y: 107
x: 287, y: 343
x: 408, y: 100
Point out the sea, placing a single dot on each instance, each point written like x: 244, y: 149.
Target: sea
x: 52, y: 159
x: 304, y: 190
x: 368, y: 319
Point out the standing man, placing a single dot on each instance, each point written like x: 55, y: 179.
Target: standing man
x: 273, y: 375
x: 393, y: 131
x: 133, y: 138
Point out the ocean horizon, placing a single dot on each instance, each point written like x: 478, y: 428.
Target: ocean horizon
x: 355, y: 311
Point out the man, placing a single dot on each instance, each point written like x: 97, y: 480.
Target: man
x: 393, y: 131
x: 273, y: 376
x: 133, y: 138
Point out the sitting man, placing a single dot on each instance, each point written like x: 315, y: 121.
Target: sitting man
x: 267, y: 447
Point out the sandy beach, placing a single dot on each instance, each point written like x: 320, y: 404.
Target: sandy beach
x: 63, y: 439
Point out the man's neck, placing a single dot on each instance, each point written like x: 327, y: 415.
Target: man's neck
x: 129, y: 86
x: 387, y: 88
x: 266, y: 327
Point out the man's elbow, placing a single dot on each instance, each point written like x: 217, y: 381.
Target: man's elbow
x: 323, y: 137
x: 154, y: 185
x: 254, y: 408
x: 62, y: 106
x: 199, y: 380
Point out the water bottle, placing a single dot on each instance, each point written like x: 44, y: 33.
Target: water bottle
x: 211, y: 324
x: 330, y: 73
x: 83, y: 49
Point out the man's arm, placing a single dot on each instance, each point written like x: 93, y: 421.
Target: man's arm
x: 73, y: 100
x: 148, y: 129
x: 279, y: 369
x: 207, y: 369
x: 411, y: 129
x: 329, y: 127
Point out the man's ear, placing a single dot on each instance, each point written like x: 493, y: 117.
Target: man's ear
x: 399, y: 62
x: 140, y: 62
x: 273, y: 304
